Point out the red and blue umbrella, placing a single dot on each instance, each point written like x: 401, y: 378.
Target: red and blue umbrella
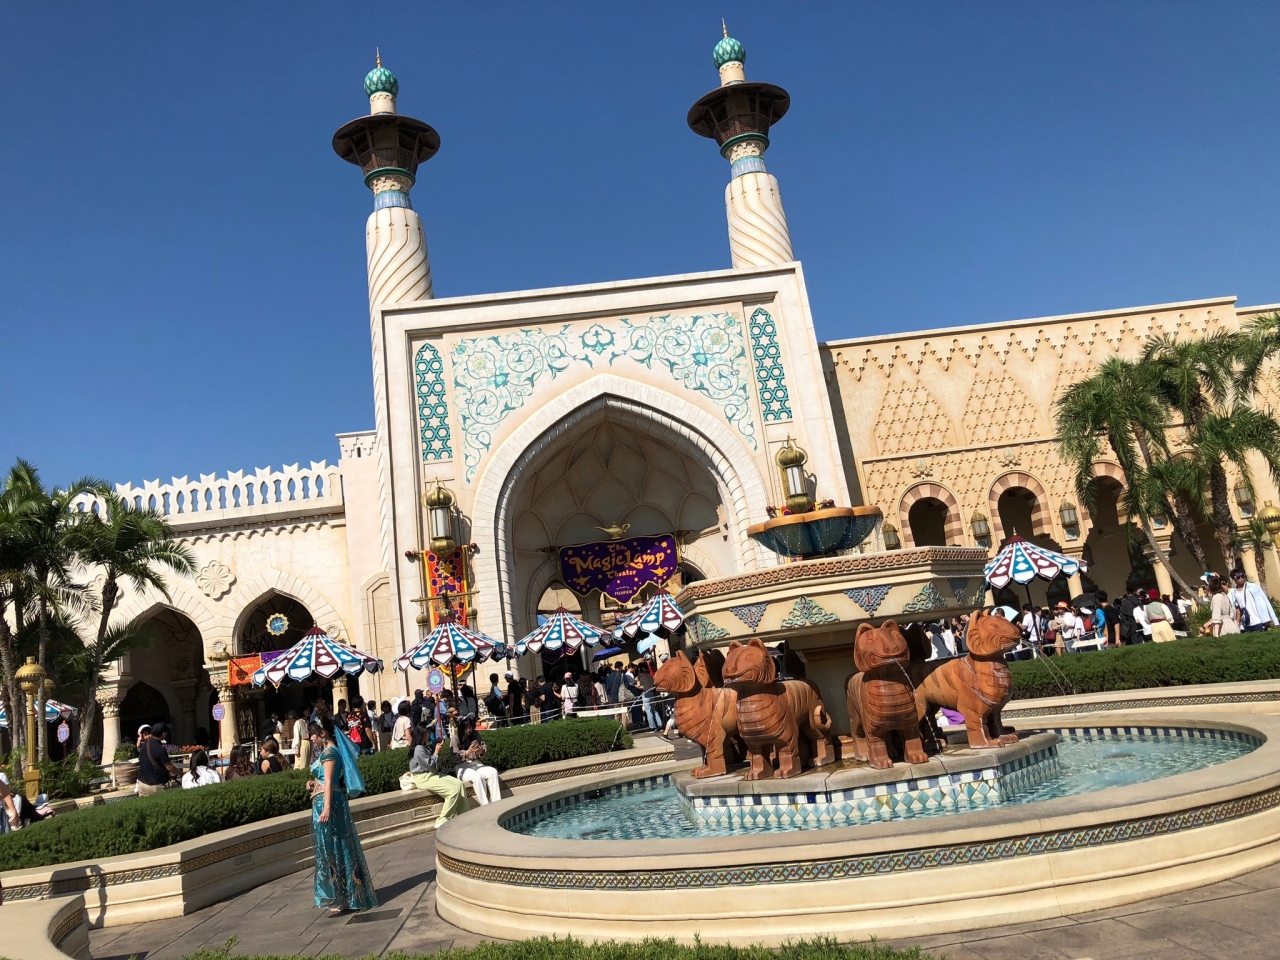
x: 1021, y: 561
x: 450, y: 644
x: 660, y: 616
x: 53, y: 710
x: 316, y: 655
x: 561, y: 631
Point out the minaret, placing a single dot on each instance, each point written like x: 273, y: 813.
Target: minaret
x: 738, y: 116
x: 388, y: 148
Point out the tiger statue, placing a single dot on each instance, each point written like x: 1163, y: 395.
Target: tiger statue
x: 785, y: 716
x: 880, y: 698
x: 977, y: 685
x: 706, y: 712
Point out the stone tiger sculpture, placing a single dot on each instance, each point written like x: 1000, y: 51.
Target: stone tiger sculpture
x: 706, y: 712
x: 880, y: 698
x: 977, y: 684
x: 785, y: 716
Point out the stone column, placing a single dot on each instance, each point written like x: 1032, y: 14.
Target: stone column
x: 1249, y: 559
x: 109, y: 708
x: 227, y: 735
x: 339, y: 690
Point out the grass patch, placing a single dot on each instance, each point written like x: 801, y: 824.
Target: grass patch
x: 1193, y: 660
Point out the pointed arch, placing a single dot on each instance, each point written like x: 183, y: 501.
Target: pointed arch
x: 249, y: 594
x: 936, y: 491
x: 1041, y: 523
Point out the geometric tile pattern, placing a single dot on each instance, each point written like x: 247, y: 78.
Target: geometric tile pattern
x: 806, y: 613
x: 433, y: 406
x: 959, y: 586
x: 929, y: 598
x: 869, y: 598
x: 704, y: 630
x: 750, y: 613
x: 775, y: 402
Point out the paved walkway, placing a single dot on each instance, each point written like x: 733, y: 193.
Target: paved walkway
x: 1234, y: 920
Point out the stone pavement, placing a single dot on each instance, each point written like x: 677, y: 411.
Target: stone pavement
x: 1235, y: 920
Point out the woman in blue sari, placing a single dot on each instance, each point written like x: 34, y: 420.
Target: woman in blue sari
x: 342, y: 875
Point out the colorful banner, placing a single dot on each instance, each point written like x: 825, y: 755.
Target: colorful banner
x: 240, y: 670
x: 618, y: 568
x: 448, y: 574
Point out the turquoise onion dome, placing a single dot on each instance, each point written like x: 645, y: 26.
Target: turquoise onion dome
x: 727, y: 51
x: 381, y: 80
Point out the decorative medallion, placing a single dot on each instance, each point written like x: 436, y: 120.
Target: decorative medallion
x: 929, y: 598
x: 806, y: 613
x: 433, y: 407
x: 771, y: 379
x: 492, y: 376
x: 277, y: 624
x: 750, y: 613
x: 869, y: 598
x: 960, y: 587
x: 921, y: 467
x: 215, y: 579
x: 704, y: 630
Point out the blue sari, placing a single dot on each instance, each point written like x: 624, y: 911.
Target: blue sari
x: 342, y: 875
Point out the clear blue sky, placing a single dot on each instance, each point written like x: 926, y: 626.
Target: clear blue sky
x: 182, y: 254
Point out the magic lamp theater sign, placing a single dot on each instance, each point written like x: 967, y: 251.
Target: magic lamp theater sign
x: 618, y: 568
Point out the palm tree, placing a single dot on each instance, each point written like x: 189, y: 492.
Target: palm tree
x: 47, y: 526
x: 1198, y: 378
x: 1257, y: 538
x: 13, y: 569
x: 1120, y: 406
x: 129, y: 544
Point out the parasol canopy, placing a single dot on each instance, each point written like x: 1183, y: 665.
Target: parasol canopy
x: 561, y: 631
x: 316, y: 655
x: 53, y: 710
x: 659, y: 616
x: 1021, y: 561
x: 450, y: 644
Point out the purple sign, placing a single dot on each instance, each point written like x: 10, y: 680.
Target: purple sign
x: 618, y: 568
x: 219, y: 711
x: 435, y: 681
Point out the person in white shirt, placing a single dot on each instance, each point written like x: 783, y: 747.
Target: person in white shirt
x: 1253, y: 609
x: 1140, y: 618
x: 1159, y: 618
x: 301, y: 743
x: 1029, y: 626
x: 1069, y: 626
x: 402, y: 731
x: 199, y: 774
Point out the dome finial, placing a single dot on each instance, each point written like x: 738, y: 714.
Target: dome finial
x: 381, y: 86
x: 377, y: 54
x: 729, y: 57
x: 725, y: 28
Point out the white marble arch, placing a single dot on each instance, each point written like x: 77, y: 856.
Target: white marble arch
x: 249, y: 594
x: 662, y: 415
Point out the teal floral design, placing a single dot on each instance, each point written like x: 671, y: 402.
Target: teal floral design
x: 433, y: 405
x: 492, y: 376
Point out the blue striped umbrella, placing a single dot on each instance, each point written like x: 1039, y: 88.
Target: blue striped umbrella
x: 450, y: 644
x: 52, y: 711
x: 660, y: 616
x: 316, y: 655
x: 1021, y: 561
x: 561, y: 631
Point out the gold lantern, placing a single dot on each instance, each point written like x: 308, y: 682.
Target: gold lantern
x: 891, y: 541
x: 439, y: 503
x: 1270, y: 517
x: 791, y: 460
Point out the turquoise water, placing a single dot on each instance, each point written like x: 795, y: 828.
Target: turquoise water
x: 1085, y: 765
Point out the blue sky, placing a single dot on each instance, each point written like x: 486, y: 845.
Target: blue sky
x: 182, y: 254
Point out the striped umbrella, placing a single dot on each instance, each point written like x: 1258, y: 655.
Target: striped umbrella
x: 316, y: 655
x: 561, y: 631
x: 1021, y: 561
x: 450, y: 644
x: 52, y: 711
x: 659, y: 616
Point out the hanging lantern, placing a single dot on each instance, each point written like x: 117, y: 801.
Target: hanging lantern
x: 1244, y: 498
x: 791, y: 460
x: 1068, y: 514
x: 891, y: 541
x: 439, y: 503
x: 978, y: 523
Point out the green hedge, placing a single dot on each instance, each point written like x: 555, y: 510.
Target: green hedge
x: 145, y: 823
x: 548, y: 948
x: 1230, y: 659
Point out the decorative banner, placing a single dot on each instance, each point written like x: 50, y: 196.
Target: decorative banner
x: 435, y: 681
x: 64, y: 732
x: 240, y: 670
x: 618, y: 568
x: 219, y: 711
x: 270, y: 656
x: 448, y: 574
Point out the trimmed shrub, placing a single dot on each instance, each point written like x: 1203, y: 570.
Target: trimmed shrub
x: 1193, y: 660
x: 525, y: 745
x: 382, y: 771
x: 553, y: 948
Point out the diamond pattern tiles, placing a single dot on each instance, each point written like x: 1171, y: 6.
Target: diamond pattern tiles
x: 806, y: 613
x: 433, y: 408
x: 771, y: 379
x: 750, y: 613
x: 998, y: 410
x: 869, y: 598
x: 911, y: 419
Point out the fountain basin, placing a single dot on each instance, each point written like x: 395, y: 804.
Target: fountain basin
x: 902, y: 877
x: 817, y: 533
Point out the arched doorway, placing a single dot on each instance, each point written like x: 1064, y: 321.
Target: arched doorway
x: 275, y: 622
x: 170, y: 678
x: 1017, y: 508
x: 255, y: 637
x: 928, y: 522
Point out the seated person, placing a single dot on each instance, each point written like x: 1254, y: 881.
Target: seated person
x: 199, y: 773
x: 424, y: 769
x: 269, y: 759
x: 471, y: 751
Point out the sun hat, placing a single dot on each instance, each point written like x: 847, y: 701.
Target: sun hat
x: 145, y: 728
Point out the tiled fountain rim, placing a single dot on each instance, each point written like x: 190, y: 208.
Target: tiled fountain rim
x: 1239, y: 787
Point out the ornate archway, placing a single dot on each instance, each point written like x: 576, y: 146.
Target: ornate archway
x: 1041, y: 524
x: 954, y: 527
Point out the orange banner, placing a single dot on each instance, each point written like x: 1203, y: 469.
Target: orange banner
x: 240, y: 670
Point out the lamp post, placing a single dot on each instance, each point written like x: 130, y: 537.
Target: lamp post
x: 31, y: 677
